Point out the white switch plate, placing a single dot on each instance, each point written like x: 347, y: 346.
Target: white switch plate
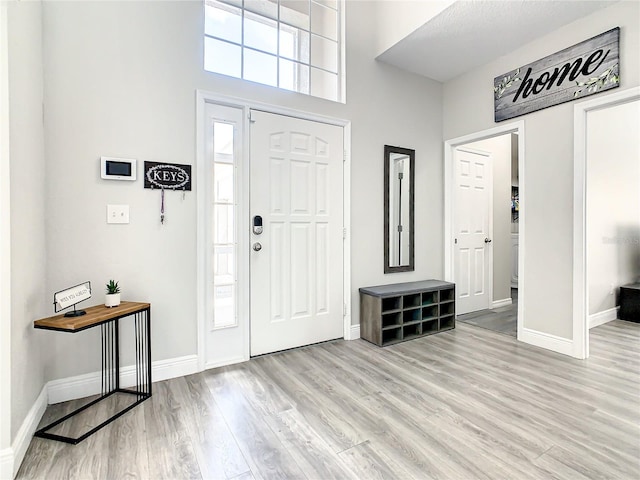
x: 117, y: 213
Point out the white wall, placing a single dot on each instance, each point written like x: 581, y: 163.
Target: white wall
x: 120, y: 80
x: 468, y: 108
x: 29, y: 298
x: 613, y: 202
x: 397, y: 19
x: 500, y: 149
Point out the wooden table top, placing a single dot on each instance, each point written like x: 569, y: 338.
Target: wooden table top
x: 94, y: 316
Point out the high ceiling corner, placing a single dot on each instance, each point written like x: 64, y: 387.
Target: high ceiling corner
x: 468, y: 34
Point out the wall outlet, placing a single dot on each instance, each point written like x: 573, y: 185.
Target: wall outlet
x: 117, y: 213
x: 611, y: 289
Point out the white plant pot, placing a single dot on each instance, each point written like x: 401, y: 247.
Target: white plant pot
x: 112, y: 300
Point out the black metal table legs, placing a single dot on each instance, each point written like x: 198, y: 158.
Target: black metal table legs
x: 111, y: 373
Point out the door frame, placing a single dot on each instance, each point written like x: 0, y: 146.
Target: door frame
x: 6, y: 454
x: 580, y: 248
x: 489, y: 157
x: 202, y: 99
x: 449, y: 204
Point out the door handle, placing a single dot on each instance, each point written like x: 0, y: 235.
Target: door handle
x: 487, y: 240
x: 257, y: 246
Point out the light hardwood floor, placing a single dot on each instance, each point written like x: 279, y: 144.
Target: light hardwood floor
x: 502, y: 319
x: 463, y: 404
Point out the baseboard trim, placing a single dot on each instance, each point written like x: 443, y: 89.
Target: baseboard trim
x: 354, y: 332
x: 546, y: 340
x: 603, y: 317
x: 70, y: 388
x: 172, y: 368
x: 27, y: 429
x: 6, y: 464
x: 505, y: 302
x: 82, y: 386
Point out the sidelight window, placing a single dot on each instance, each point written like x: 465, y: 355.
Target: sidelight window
x: 224, y: 233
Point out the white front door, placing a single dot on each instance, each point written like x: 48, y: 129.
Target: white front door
x: 297, y: 259
x: 472, y: 231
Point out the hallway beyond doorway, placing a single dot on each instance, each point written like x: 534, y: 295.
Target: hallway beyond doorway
x: 501, y: 320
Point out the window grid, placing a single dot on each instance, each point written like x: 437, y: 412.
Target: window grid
x: 278, y: 56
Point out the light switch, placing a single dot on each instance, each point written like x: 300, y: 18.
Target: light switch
x: 117, y: 213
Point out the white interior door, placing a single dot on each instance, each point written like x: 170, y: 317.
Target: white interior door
x: 472, y: 231
x: 296, y: 171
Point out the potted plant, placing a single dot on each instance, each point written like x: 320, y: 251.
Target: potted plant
x: 112, y: 298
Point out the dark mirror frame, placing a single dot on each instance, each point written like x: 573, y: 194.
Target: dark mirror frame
x: 388, y: 150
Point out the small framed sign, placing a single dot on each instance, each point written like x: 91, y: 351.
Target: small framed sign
x: 170, y: 176
x: 69, y: 297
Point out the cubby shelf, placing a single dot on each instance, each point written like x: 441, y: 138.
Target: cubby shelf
x: 394, y: 313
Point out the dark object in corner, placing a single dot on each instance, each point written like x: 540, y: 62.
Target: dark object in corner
x: 630, y: 302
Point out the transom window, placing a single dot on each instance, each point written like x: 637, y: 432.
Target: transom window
x: 291, y: 44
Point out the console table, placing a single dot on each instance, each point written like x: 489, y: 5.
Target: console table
x: 108, y: 319
x: 394, y: 313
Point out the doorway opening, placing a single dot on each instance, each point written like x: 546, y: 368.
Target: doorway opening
x: 484, y: 175
x: 606, y: 217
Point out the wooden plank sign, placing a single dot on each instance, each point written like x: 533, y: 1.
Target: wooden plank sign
x: 587, y: 68
x: 172, y: 176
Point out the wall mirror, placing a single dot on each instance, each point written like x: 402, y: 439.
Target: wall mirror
x: 399, y: 183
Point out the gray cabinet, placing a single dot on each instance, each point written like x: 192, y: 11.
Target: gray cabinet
x: 402, y: 311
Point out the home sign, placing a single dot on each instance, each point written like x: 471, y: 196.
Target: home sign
x: 587, y: 68
x: 171, y: 176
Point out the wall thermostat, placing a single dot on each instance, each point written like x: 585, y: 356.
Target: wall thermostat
x: 118, y: 168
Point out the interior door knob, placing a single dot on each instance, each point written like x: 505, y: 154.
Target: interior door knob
x: 487, y: 240
x: 257, y: 246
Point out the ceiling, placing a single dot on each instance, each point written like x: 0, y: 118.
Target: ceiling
x: 469, y: 34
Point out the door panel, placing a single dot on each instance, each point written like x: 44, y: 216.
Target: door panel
x: 463, y: 280
x: 479, y: 270
x: 301, y: 270
x: 473, y: 190
x: 296, y: 277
